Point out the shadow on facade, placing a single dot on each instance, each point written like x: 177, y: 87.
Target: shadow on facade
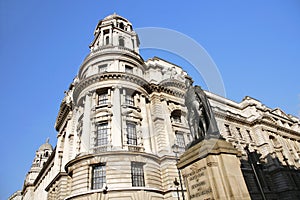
x: 271, y: 179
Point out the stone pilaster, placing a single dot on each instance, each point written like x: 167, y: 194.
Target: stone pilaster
x: 159, y: 124
x: 86, y: 127
x: 116, y: 123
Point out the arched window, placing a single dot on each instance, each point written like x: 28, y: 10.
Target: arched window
x: 107, y: 40
x: 121, y: 25
x: 46, y: 154
x: 176, y: 116
x: 121, y: 41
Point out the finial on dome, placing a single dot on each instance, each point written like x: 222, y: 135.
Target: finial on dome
x: 47, y: 140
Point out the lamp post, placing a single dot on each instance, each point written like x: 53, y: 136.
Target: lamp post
x: 252, y: 163
x: 176, y: 184
x: 176, y: 151
x: 105, y: 190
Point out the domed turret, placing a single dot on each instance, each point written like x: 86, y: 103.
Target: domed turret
x: 46, y: 146
x: 41, y: 157
x: 113, y: 31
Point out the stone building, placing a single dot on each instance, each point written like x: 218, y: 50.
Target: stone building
x: 122, y: 115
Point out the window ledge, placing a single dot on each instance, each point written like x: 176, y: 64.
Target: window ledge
x: 103, y: 106
x: 135, y: 148
x: 132, y: 107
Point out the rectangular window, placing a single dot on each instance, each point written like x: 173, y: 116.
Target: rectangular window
x: 180, y: 140
x: 101, y: 137
x: 128, y: 69
x: 137, y: 174
x: 98, y: 176
x: 102, y: 68
x: 103, y: 98
x: 131, y: 133
x: 129, y: 100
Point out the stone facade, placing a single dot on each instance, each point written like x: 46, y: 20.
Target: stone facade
x: 121, y: 115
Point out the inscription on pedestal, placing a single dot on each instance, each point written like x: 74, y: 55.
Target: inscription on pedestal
x: 197, y: 183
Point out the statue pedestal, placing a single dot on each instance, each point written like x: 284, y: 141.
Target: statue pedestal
x: 211, y: 170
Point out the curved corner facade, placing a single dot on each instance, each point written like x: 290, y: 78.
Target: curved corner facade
x: 121, y: 116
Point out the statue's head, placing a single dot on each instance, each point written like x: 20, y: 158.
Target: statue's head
x: 188, y: 81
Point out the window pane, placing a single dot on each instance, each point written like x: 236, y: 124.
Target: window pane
x: 180, y: 140
x: 99, y: 176
x: 101, y: 134
x: 131, y: 134
x: 102, y: 98
x: 129, y: 100
x: 137, y: 174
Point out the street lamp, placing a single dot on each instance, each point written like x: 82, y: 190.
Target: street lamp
x: 175, y: 148
x: 176, y: 184
x: 253, y: 165
x: 105, y: 190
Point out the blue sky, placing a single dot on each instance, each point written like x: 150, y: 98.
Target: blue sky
x: 255, y: 45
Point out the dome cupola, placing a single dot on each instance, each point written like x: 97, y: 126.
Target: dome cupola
x: 113, y: 31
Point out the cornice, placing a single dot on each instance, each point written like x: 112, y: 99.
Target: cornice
x: 258, y: 121
x: 173, y: 83
x: 127, y: 77
x: 56, y: 178
x: 112, y: 50
x: 111, y: 153
x: 225, y: 114
x: 62, y: 115
x: 109, y: 76
x: 171, y: 91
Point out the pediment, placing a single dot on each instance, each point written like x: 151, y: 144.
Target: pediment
x: 279, y: 112
x: 269, y: 119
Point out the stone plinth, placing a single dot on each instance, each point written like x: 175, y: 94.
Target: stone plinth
x: 211, y: 170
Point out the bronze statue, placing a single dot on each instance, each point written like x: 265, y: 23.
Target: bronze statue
x: 200, y: 116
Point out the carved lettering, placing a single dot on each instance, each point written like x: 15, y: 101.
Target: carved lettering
x: 200, y: 193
